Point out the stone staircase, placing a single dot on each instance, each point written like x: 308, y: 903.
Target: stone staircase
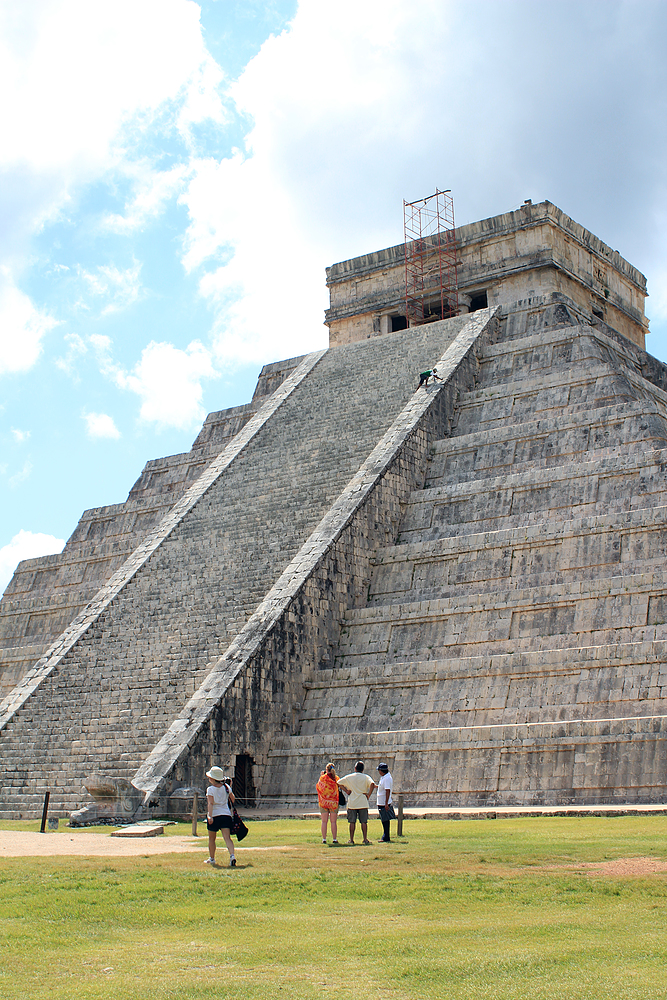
x: 101, y: 702
x: 45, y: 594
x: 512, y: 649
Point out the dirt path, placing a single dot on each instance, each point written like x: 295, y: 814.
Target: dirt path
x: 21, y: 844
x: 623, y: 867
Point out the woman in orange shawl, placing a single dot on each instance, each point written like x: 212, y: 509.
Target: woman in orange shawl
x: 327, y: 795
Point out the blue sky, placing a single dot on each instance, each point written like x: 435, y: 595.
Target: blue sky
x: 175, y: 176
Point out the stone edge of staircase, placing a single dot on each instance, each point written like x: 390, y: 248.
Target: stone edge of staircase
x: 277, y: 606
x: 154, y: 538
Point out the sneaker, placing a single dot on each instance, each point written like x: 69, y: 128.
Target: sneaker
x: 334, y: 843
x: 210, y: 861
x: 232, y: 862
x: 323, y: 840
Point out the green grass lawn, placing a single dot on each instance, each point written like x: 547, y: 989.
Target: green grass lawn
x: 488, y: 909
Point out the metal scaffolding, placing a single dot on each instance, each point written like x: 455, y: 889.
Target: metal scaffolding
x: 431, y: 274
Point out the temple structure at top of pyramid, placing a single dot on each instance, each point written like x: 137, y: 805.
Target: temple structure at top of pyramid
x: 465, y: 580
x: 535, y: 252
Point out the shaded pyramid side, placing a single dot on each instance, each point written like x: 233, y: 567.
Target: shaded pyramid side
x: 512, y: 647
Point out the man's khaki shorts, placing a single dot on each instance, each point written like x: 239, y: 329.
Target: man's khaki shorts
x: 357, y: 815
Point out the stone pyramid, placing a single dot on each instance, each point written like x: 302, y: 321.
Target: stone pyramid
x: 464, y: 580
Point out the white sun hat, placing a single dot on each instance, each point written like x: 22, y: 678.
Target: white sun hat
x: 216, y: 773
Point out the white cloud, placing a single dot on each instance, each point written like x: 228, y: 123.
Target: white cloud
x: 88, y: 82
x: 22, y: 327
x: 20, y: 477
x: 100, y: 425
x: 76, y: 348
x: 168, y: 382
x: 19, y: 435
x: 25, y: 545
x: 101, y: 343
x: 78, y: 71
x: 119, y: 287
x: 151, y: 190
x: 202, y: 100
x: 349, y: 115
x: 268, y: 295
x: 324, y: 94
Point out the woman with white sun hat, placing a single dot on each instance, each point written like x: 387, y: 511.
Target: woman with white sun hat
x: 218, y: 814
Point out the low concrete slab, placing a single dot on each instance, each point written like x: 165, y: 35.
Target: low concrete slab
x: 140, y: 830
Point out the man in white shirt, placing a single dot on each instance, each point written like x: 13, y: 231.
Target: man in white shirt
x: 358, y: 787
x: 385, y: 807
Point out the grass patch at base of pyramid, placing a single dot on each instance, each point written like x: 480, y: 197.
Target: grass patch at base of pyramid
x: 507, y: 909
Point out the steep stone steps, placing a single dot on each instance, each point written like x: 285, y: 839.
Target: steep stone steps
x: 105, y: 537
x: 610, y: 461
x: 575, y: 761
x: 547, y: 685
x: 610, y: 545
x: 587, y: 387
x: 152, y: 646
x: 581, y: 436
x: 46, y: 594
x: 527, y: 589
x: 527, y: 500
x: 582, y: 613
x: 549, y: 350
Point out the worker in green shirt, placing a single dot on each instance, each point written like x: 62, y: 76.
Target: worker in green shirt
x: 425, y: 376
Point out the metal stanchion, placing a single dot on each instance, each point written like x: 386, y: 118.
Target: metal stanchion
x: 399, y: 825
x: 195, y: 809
x: 45, y: 812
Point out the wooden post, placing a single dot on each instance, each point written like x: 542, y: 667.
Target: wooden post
x: 195, y: 809
x: 399, y: 825
x: 45, y: 812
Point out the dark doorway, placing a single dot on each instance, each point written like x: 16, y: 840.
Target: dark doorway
x: 433, y: 312
x: 243, y: 785
x: 478, y: 301
x: 398, y: 323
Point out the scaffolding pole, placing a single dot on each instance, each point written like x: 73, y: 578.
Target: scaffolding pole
x: 431, y: 266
